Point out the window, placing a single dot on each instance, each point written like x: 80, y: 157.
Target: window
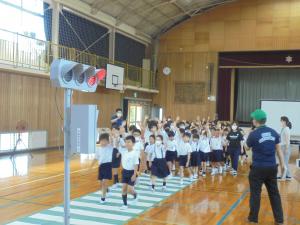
x: 135, y: 115
x: 22, y: 16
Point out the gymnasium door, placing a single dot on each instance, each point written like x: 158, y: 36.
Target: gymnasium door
x: 137, y: 112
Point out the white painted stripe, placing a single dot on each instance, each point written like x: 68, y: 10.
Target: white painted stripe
x: 175, y: 178
x: 160, y: 194
x: 60, y: 219
x: 105, y: 207
x: 119, y: 201
x: 168, y: 180
x: 143, y: 180
x: 147, y: 186
x: 144, y: 184
x: 142, y: 197
x: 93, y: 214
x: 21, y: 223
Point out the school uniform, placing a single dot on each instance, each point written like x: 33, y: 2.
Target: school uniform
x: 159, y: 164
x: 138, y: 147
x: 184, y: 150
x: 129, y: 160
x: 216, y: 144
x: 204, y: 147
x: 104, y: 157
x: 234, y: 147
x: 116, y: 161
x: 195, y: 157
x: 171, y: 147
x: 149, y: 151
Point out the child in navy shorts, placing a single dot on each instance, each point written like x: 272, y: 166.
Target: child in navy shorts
x: 216, y: 143
x: 116, y: 157
x: 104, y: 156
x: 130, y: 162
x: 195, y: 157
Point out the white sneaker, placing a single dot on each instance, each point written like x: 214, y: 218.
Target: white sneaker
x: 234, y: 173
x: 152, y: 189
x: 124, y: 207
x: 195, y: 176
x: 101, y: 201
x: 203, y: 174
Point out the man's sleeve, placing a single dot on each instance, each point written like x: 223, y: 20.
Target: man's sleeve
x: 250, y: 140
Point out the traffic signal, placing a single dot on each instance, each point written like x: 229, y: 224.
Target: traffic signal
x: 76, y: 76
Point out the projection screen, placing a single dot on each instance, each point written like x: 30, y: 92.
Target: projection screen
x: 277, y: 108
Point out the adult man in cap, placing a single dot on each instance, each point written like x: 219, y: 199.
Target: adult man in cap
x: 265, y: 143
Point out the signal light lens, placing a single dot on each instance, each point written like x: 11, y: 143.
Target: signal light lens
x: 92, y: 81
x: 101, y: 74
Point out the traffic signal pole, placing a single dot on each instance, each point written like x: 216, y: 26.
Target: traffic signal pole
x: 67, y: 154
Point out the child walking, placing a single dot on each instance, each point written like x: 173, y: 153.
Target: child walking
x: 130, y: 161
x: 184, y: 153
x: 159, y: 168
x: 104, y: 153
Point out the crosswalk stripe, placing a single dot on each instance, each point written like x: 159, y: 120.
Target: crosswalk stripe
x: 175, y: 178
x: 161, y: 194
x: 145, y: 184
x: 60, y: 219
x: 93, y: 214
x: 139, y: 203
x: 21, y: 223
x: 142, y: 197
x: 169, y: 181
x: 169, y: 184
x: 88, y: 210
x: 104, y: 207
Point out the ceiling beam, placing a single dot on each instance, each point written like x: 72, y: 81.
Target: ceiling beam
x: 125, y: 12
x: 104, y: 19
x: 181, y: 8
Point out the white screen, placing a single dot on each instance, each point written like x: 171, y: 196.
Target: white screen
x: 276, y: 109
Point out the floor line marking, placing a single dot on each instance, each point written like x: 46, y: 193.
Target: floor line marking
x: 233, y: 207
x: 46, y: 178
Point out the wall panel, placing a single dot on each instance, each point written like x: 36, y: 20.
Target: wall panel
x: 242, y: 25
x: 33, y: 99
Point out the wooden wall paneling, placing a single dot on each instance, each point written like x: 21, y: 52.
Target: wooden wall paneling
x: 33, y: 99
x: 238, y: 26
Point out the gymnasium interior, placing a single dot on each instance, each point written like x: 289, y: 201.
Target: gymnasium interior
x: 188, y: 60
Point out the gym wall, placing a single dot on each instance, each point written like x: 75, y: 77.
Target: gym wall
x: 239, y: 26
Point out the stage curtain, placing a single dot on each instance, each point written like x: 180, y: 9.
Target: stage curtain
x: 257, y: 84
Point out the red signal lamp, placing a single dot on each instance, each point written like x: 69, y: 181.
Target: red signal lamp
x: 92, y: 81
x: 101, y: 74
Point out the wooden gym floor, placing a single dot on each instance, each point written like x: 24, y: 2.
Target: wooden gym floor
x: 37, y: 184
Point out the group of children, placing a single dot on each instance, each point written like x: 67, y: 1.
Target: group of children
x: 162, y: 148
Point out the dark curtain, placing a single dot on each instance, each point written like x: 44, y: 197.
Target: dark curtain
x: 269, y: 84
x: 47, y: 21
x: 129, y: 51
x: 223, y: 97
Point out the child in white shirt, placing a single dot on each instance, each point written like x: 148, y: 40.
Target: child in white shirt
x: 171, y: 153
x: 204, y: 151
x: 184, y: 152
x: 216, y: 143
x: 104, y: 152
